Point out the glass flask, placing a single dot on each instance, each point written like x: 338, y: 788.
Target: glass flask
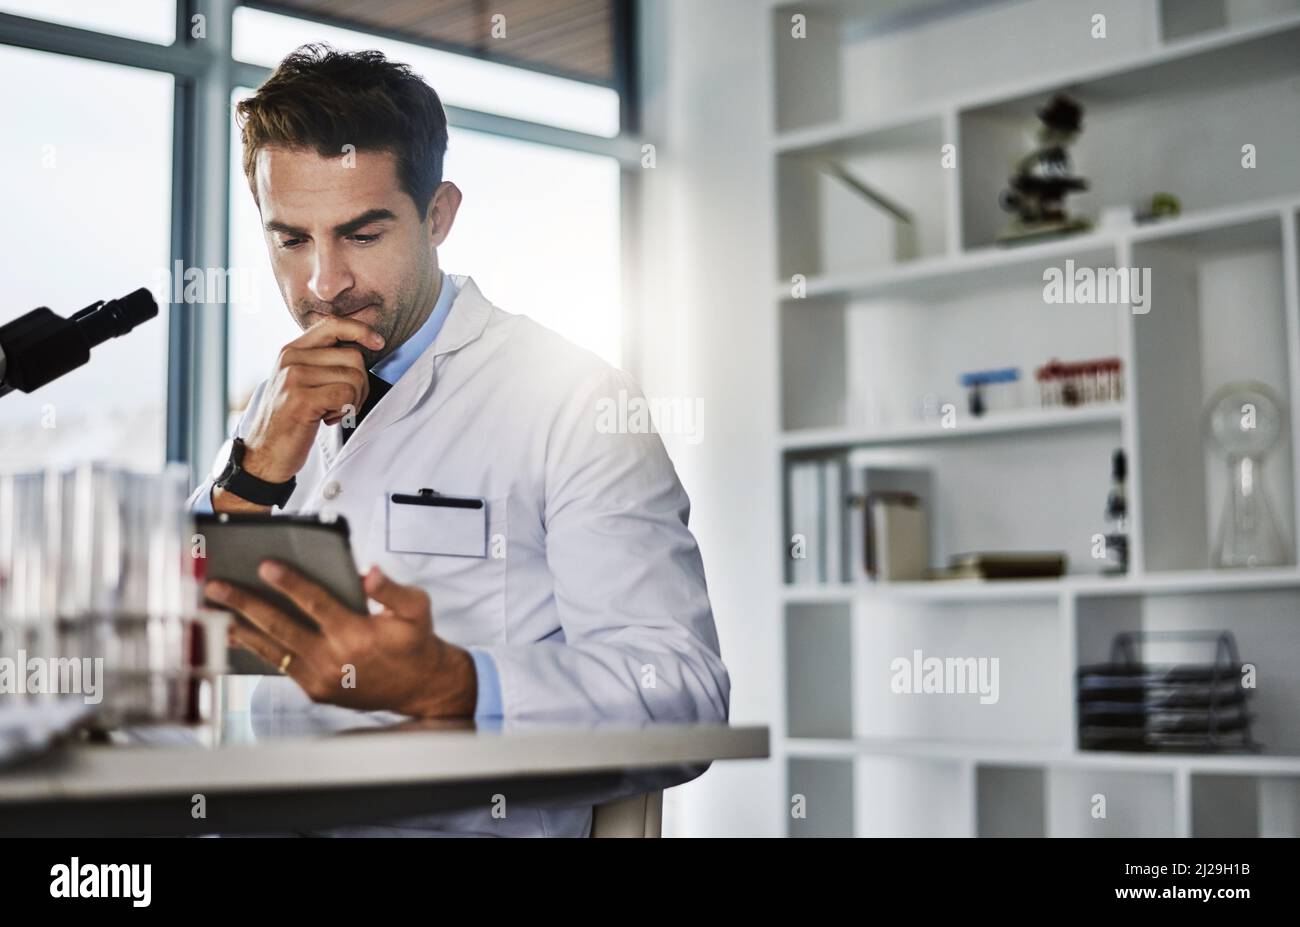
x: 1245, y: 420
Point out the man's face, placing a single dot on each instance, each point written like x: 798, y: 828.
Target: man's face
x: 348, y: 241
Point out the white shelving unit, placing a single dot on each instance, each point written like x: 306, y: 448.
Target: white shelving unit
x: 866, y: 331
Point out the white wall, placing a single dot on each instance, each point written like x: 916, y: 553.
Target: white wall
x: 706, y: 272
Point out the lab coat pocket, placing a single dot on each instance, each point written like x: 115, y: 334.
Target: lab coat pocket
x: 430, y: 523
x: 457, y: 555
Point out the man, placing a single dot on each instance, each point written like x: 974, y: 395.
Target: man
x: 408, y: 389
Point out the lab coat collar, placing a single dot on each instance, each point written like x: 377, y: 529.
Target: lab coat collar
x: 469, y: 316
x: 465, y: 324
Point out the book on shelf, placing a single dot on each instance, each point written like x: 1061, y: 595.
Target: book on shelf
x: 817, y: 522
x: 885, y: 542
x: 1003, y: 565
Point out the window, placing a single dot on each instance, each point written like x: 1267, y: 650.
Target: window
x: 89, y: 207
x: 149, y: 20
x: 538, y: 231
x: 89, y: 162
x: 259, y: 324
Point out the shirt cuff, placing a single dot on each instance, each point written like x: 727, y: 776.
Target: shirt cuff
x: 489, y: 685
x: 203, y: 503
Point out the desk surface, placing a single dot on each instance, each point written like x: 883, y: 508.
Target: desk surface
x: 412, y: 755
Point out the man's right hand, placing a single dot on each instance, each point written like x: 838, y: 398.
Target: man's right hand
x: 316, y: 379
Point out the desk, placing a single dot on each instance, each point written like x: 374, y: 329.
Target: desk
x: 349, y: 777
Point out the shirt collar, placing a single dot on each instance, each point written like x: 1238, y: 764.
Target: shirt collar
x: 391, y: 368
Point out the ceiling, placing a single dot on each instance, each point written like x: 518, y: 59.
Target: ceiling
x: 574, y: 37
x: 877, y: 16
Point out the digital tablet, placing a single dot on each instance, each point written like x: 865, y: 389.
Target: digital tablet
x: 235, y: 544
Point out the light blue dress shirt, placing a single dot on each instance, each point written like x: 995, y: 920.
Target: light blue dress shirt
x: 390, y: 370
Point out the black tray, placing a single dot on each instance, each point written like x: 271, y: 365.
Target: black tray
x: 1157, y: 697
x: 1127, y: 704
x: 1182, y: 722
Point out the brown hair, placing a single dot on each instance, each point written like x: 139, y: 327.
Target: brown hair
x: 322, y: 99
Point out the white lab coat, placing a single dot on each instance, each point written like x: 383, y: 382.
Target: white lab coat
x: 598, y: 610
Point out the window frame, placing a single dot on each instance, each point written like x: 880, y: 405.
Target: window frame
x: 206, y: 74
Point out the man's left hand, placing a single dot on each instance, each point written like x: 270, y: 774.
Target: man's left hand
x: 390, y: 661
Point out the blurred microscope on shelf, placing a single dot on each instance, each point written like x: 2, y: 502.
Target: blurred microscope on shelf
x: 1042, y: 179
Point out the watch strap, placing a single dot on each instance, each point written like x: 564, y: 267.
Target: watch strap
x: 248, y: 487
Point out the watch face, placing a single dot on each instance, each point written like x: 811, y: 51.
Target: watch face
x: 232, y: 463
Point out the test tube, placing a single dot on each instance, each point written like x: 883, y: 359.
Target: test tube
x: 1056, y: 381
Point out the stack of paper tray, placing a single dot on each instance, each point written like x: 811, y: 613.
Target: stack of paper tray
x: 1127, y: 704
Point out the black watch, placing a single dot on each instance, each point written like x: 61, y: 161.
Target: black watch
x: 243, y: 484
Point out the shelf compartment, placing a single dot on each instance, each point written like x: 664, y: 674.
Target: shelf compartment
x: 1002, y: 493
x: 818, y: 670
x: 826, y: 789
x: 1010, y: 801
x: 1145, y: 133
x: 1263, y: 621
x: 1018, y: 701
x: 828, y: 227
x: 863, y: 61
x: 1245, y: 806
x: 882, y: 364
x: 814, y: 390
x: 1135, y: 804
x: 898, y: 797
x: 905, y: 355
x: 1184, y: 19
x: 1218, y: 315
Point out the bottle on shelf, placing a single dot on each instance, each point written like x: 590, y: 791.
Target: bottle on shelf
x: 1117, y: 517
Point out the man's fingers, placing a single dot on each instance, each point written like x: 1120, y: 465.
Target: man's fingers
x: 329, y: 402
x: 332, y: 329
x: 311, y: 597
x: 307, y: 375
x: 323, y: 357
x: 332, y: 399
x: 282, y: 629
x: 255, y: 641
x: 406, y: 601
x: 302, y: 369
